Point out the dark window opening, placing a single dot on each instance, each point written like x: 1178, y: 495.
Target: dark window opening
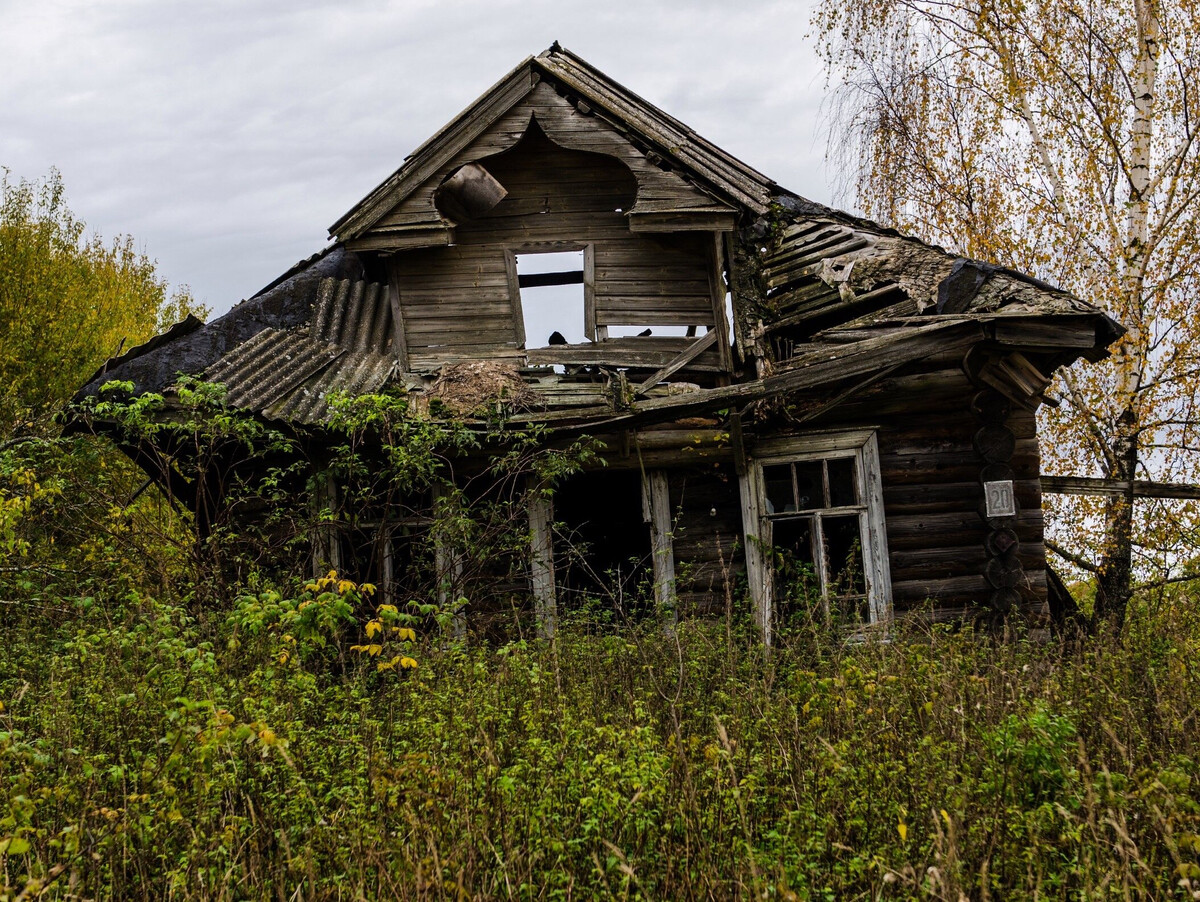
x: 602, y: 546
x: 816, y: 508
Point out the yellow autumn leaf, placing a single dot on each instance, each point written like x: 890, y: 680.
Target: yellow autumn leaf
x: 373, y: 627
x: 407, y: 633
x: 902, y: 829
x: 408, y: 663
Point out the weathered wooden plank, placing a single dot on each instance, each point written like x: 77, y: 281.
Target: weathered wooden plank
x: 758, y: 570
x: 400, y: 240
x: 650, y: 314
x: 589, y: 291
x: 1063, y: 333
x: 399, y: 342
x: 973, y: 587
x: 657, y: 495
x: 457, y: 309
x: 697, y: 348
x: 879, y: 576
x: 1142, y: 488
x: 718, y: 291
x: 682, y: 221
x: 636, y: 351
x: 456, y: 331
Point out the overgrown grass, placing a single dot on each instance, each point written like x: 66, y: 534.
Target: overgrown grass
x: 147, y: 754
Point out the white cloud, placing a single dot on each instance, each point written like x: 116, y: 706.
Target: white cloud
x: 227, y: 136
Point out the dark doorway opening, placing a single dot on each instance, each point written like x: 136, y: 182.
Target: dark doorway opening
x: 602, y: 546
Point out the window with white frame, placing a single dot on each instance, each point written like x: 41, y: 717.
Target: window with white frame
x: 822, y: 510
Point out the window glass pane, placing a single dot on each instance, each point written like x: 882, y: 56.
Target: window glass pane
x: 843, y: 557
x: 810, y: 485
x: 795, y: 574
x: 778, y: 482
x: 841, y: 482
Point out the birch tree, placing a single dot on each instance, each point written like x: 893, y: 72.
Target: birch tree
x: 1057, y: 137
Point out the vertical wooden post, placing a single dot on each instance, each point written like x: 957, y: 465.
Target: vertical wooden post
x: 880, y: 565
x: 387, y: 589
x: 399, y: 337
x: 656, y: 500
x: 589, y: 294
x: 447, y: 560
x: 757, y: 539
x: 541, y: 563
x: 716, y: 279
x: 326, y: 549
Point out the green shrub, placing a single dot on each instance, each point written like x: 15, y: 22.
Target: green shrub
x: 146, y: 751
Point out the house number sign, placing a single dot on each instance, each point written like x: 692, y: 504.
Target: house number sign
x: 1000, y: 499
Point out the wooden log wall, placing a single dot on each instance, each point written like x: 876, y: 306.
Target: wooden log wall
x: 933, y: 494
x: 457, y: 302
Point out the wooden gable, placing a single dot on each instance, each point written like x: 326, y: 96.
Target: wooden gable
x: 665, y: 200
x: 464, y: 301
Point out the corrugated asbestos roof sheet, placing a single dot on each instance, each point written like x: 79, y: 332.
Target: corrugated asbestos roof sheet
x: 290, y: 374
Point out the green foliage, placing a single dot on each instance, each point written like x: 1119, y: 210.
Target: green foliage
x: 148, y: 752
x: 68, y: 301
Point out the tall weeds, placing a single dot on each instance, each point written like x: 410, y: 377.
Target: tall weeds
x: 149, y: 753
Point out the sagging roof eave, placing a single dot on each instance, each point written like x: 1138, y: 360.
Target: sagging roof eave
x: 800, y: 208
x: 699, y: 158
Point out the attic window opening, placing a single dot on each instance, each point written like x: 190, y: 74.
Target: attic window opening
x: 551, y: 286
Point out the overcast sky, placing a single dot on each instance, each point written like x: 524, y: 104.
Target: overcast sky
x: 227, y: 136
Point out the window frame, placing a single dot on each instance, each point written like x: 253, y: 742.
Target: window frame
x: 512, y: 251
x: 862, y: 446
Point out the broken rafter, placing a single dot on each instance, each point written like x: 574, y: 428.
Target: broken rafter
x: 695, y: 350
x: 824, y: 367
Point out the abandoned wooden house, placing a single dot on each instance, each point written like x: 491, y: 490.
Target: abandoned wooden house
x: 785, y: 393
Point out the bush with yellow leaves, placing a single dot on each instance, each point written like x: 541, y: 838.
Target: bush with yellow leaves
x: 385, y: 632
x: 321, y: 619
